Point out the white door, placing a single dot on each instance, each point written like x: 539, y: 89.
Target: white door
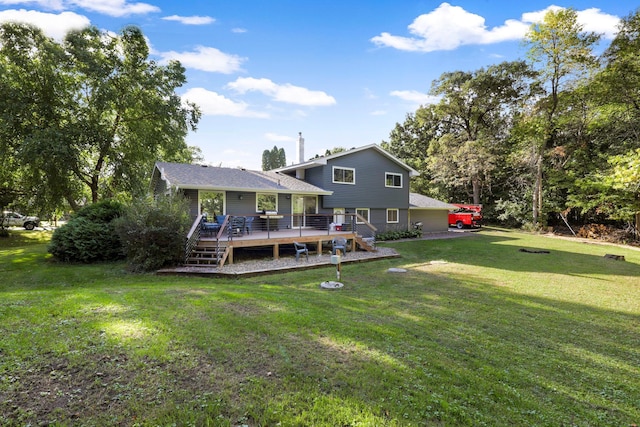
x: 338, y: 215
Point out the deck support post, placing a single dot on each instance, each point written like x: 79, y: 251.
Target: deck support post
x: 276, y: 251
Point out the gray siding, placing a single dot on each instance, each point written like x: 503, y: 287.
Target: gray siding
x: 369, y: 190
x: 192, y: 195
x: 235, y: 206
x: 378, y: 217
x: 433, y: 220
x: 284, y: 204
x: 316, y: 177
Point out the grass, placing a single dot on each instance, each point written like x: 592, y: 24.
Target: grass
x: 489, y: 336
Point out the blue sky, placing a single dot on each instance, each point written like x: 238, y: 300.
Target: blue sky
x: 342, y: 72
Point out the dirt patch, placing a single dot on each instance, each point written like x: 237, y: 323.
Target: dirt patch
x: 60, y: 390
x: 598, y: 233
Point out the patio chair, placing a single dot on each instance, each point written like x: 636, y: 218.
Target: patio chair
x: 209, y: 228
x: 339, y: 243
x: 236, y: 226
x: 301, y: 248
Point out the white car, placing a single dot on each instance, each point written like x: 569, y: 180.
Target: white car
x: 14, y: 219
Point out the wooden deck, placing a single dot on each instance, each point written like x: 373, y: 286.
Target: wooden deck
x: 277, y: 238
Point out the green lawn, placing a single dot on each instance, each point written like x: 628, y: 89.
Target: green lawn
x: 490, y: 336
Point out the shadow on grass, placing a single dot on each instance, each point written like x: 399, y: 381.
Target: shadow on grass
x: 420, y: 348
x: 502, y: 251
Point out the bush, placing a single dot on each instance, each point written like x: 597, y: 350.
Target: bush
x: 89, y: 236
x: 153, y: 232
x: 399, y: 234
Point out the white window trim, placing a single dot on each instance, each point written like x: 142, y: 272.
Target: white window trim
x: 266, y: 194
x: 333, y: 175
x: 368, y: 215
x: 397, y: 215
x: 394, y: 174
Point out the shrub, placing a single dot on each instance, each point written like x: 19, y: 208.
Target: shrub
x: 399, y: 234
x: 153, y: 231
x: 89, y: 236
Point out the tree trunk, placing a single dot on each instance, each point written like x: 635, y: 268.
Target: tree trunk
x: 475, y: 182
x: 537, y: 192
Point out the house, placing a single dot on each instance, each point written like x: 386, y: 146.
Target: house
x: 358, y: 192
x: 235, y: 191
x: 367, y: 181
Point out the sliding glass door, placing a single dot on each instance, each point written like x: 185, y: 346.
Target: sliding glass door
x: 301, y: 207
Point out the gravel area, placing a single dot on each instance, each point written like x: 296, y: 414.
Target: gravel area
x: 269, y: 265
x: 290, y: 261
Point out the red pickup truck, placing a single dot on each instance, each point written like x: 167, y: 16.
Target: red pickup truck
x: 466, y: 216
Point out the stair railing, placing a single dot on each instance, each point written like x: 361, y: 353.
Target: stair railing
x: 364, y: 228
x: 193, y: 237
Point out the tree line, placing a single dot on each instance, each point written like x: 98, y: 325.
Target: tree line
x: 85, y: 119
x: 553, y: 135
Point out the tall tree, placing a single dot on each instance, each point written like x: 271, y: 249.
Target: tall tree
x: 610, y: 186
x: 273, y: 159
x: 476, y: 109
x: 561, y: 52
x: 409, y: 141
x: 88, y: 117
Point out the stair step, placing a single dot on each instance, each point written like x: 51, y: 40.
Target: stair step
x: 208, y: 261
x: 201, y: 265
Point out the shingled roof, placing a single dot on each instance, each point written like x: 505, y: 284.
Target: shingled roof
x: 418, y: 201
x: 203, y: 177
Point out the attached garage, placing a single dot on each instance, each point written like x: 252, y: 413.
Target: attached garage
x: 432, y: 213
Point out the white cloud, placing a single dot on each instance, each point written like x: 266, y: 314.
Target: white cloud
x: 206, y: 59
x: 449, y: 27
x: 190, y: 20
x: 214, y: 104
x: 107, y: 7
x: 369, y: 94
x: 283, y: 93
x: 415, y: 97
x: 279, y: 138
x: 238, y: 30
x: 592, y: 19
x: 114, y: 7
x: 47, y: 4
x: 53, y: 25
x: 602, y: 23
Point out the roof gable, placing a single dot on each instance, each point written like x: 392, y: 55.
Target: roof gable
x: 321, y: 161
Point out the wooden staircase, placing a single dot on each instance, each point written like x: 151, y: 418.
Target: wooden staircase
x: 208, y: 254
x: 368, y: 244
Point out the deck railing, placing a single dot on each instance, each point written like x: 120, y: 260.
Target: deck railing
x: 231, y: 227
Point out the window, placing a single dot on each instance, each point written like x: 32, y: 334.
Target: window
x: 344, y: 175
x: 393, y: 180
x: 364, y: 213
x: 392, y: 215
x: 211, y: 203
x: 266, y: 202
